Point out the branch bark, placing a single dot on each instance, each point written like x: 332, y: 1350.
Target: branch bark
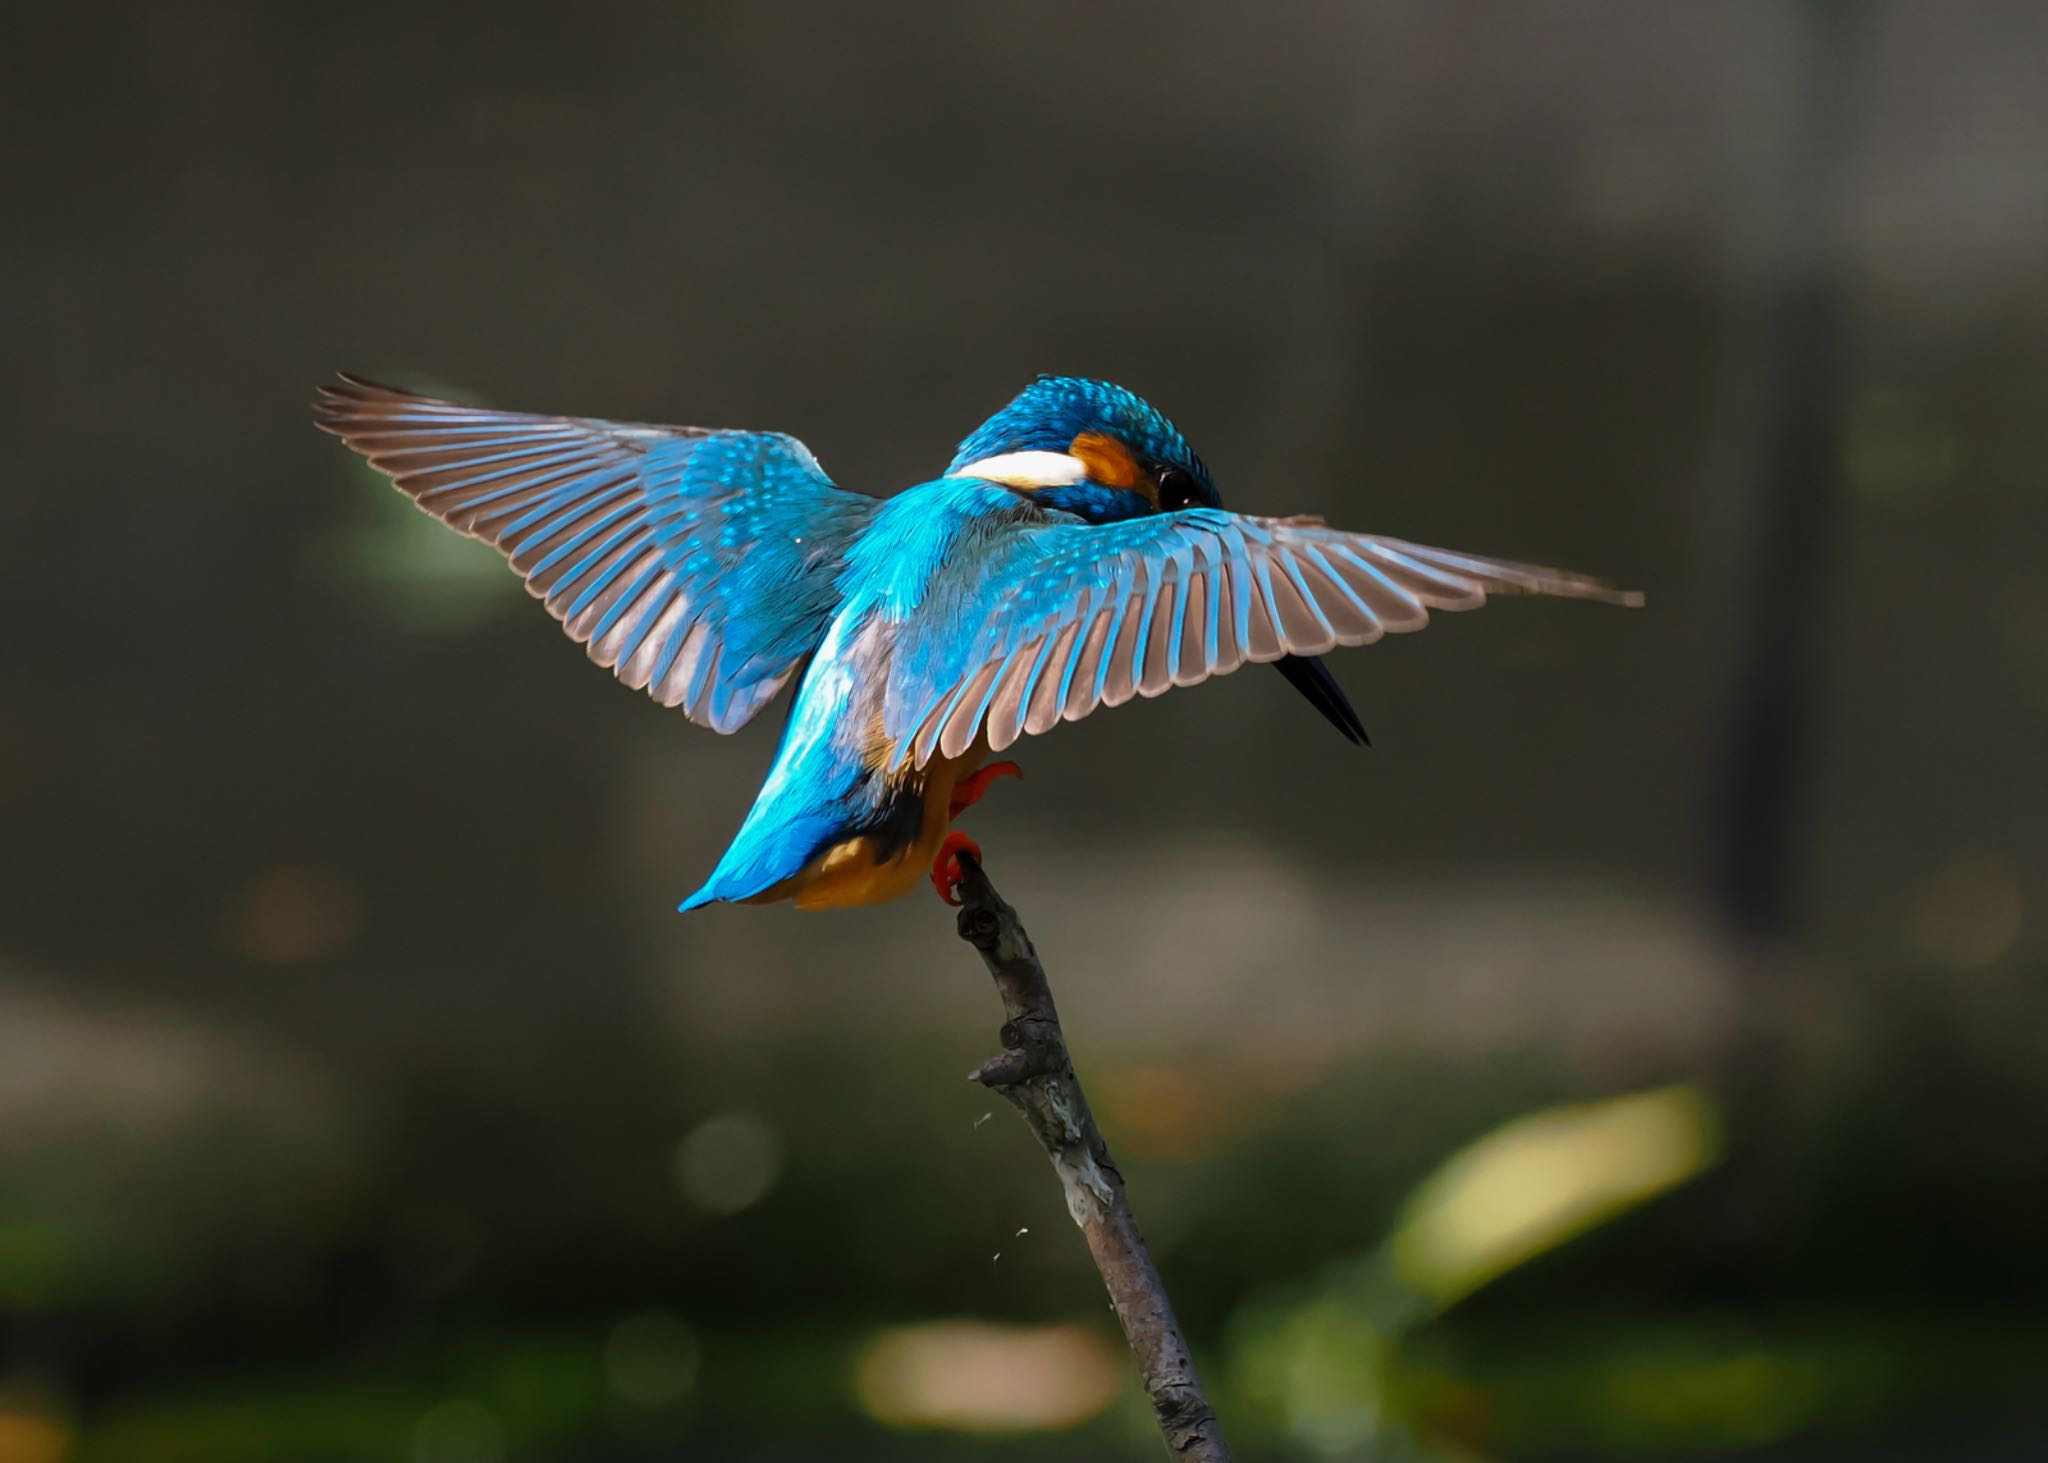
x: 1036, y: 1075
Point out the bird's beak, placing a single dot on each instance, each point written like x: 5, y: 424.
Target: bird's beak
x: 1308, y: 675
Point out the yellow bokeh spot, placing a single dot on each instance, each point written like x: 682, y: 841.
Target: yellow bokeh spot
x: 32, y: 1437
x: 975, y: 1377
x: 1538, y: 1181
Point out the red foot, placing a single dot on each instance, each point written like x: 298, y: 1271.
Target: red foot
x: 946, y: 871
x: 971, y: 788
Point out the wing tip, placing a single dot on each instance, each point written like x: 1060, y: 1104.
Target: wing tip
x: 1564, y: 584
x: 350, y: 401
x: 355, y: 386
x: 353, y: 398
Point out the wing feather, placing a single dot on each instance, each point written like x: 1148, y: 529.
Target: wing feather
x: 700, y: 566
x: 1049, y: 697
x: 1084, y: 691
x: 1121, y: 666
x: 1083, y: 615
x: 1230, y: 606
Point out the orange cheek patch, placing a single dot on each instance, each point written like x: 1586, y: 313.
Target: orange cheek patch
x: 1110, y: 463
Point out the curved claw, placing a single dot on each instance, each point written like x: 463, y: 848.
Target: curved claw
x: 973, y: 787
x: 946, y: 871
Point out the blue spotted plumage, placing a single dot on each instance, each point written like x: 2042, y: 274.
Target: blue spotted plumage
x: 1075, y: 554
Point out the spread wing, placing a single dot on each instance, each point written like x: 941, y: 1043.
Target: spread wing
x: 700, y: 566
x: 1070, y: 616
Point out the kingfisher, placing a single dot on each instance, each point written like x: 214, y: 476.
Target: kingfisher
x: 1074, y: 554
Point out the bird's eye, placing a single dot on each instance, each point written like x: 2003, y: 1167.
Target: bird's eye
x: 1176, y: 488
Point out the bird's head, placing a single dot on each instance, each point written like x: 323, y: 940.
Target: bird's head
x: 1090, y: 448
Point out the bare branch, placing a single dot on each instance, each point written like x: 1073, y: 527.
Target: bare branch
x: 1035, y: 1073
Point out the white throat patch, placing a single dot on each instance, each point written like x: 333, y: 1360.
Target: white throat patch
x: 1028, y: 469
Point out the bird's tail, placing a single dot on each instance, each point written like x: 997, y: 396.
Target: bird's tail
x: 766, y: 852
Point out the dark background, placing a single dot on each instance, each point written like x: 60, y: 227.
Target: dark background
x: 361, y: 1097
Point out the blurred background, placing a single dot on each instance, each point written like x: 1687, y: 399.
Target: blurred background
x: 1637, y: 1053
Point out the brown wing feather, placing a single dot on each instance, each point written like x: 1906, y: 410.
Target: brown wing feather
x: 1300, y: 588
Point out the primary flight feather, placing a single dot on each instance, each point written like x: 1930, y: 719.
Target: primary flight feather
x: 1075, y: 554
